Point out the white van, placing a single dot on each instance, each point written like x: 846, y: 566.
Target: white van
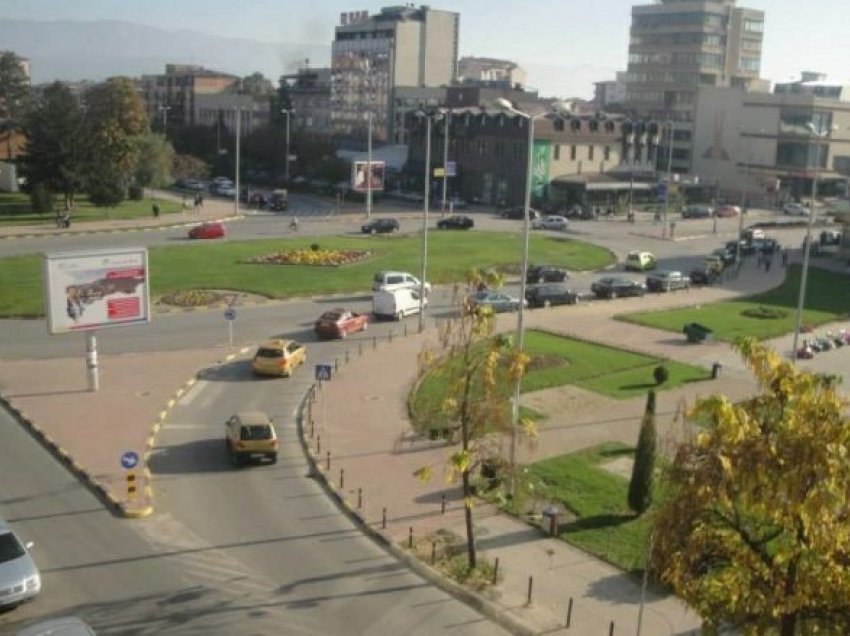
x: 390, y: 281
x: 396, y: 304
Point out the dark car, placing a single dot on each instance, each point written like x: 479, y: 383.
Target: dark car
x: 519, y: 213
x: 456, y: 222
x: 550, y: 294
x: 697, y: 212
x: 703, y: 276
x: 747, y: 248
x: 830, y: 237
x: 616, y: 287
x: 667, y: 280
x: 546, y: 274
x: 380, y: 226
x: 766, y: 246
x: 726, y: 255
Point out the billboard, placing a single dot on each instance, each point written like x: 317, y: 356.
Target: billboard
x: 359, y: 181
x: 96, y: 289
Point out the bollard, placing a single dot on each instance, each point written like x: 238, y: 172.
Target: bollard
x: 359, y: 498
x: 360, y: 348
x: 611, y: 629
x: 374, y: 342
x: 384, y: 519
x: 341, y: 478
x: 328, y: 462
x: 569, y: 613
x: 312, y: 427
x: 410, y: 537
x: 530, y: 586
x: 405, y: 329
x: 433, y: 552
x: 496, y: 571
x: 443, y: 503
x: 346, y: 356
x: 336, y: 364
x: 318, y: 444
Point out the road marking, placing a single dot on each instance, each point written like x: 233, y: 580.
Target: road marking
x: 186, y: 427
x: 193, y: 392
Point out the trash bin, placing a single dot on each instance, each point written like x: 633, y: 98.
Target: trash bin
x: 697, y: 333
x: 551, y: 520
x: 716, y: 369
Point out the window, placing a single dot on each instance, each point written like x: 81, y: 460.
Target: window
x: 572, y: 153
x: 753, y: 26
x: 590, y: 152
x: 607, y: 153
x: 557, y: 152
x: 751, y: 64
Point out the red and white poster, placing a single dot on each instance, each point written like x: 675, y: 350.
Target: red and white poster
x: 96, y: 289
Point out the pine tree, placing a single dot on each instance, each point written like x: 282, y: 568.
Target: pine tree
x: 640, y: 487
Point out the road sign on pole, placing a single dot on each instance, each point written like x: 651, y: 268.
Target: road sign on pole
x: 323, y: 372
x: 129, y: 460
x: 230, y: 314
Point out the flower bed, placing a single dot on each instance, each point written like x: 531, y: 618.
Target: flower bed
x: 191, y: 298
x: 321, y: 258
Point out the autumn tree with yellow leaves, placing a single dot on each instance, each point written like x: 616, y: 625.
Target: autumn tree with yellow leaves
x: 756, y: 530
x: 480, y: 369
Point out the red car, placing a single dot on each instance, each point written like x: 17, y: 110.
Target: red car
x: 207, y: 231
x: 338, y: 323
x: 727, y: 211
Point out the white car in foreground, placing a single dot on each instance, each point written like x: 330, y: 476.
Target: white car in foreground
x: 796, y: 209
x: 552, y: 222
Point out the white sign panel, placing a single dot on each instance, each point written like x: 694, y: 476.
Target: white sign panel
x: 96, y: 289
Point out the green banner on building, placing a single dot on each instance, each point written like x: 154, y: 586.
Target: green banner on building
x: 540, y: 168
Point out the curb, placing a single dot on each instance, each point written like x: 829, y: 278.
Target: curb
x: 120, y: 230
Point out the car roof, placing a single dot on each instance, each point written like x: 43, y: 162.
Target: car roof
x: 275, y: 343
x: 64, y: 626
x: 253, y: 417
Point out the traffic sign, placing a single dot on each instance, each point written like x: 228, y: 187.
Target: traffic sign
x: 230, y: 299
x: 451, y: 168
x: 129, y: 460
x: 230, y: 314
x: 323, y: 372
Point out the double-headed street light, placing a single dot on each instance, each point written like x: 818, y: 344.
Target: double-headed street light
x: 288, y: 112
x: 672, y: 125
x: 164, y: 110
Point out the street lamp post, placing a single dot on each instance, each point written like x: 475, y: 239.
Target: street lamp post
x: 672, y: 126
x: 164, y: 110
x: 426, y: 202
x: 238, y: 152
x: 288, y: 112
x: 447, y: 122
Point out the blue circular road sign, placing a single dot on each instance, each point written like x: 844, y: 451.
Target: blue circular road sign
x: 230, y: 314
x: 129, y: 460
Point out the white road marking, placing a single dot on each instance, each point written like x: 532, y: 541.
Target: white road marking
x: 192, y: 393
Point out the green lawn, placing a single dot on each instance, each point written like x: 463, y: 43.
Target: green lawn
x: 604, y: 525
x: 827, y: 300
x: 15, y: 209
x: 222, y: 265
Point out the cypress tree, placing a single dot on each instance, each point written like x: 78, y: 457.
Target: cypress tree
x: 640, y: 487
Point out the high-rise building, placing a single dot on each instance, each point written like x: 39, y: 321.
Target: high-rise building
x: 677, y: 46
x: 310, y: 96
x: 372, y: 55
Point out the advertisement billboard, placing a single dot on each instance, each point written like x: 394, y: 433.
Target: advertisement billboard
x: 359, y: 181
x: 96, y: 289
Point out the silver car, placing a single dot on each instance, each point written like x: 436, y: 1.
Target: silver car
x: 19, y: 577
x: 497, y: 301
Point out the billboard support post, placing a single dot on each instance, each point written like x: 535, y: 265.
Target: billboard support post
x: 91, y: 361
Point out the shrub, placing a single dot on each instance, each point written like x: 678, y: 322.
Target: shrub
x: 135, y: 193
x: 640, y: 486
x: 315, y: 247
x: 661, y: 374
x: 42, y: 199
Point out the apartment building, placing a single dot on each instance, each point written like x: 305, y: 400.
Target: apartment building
x: 171, y: 97
x: 492, y: 71
x: 373, y: 55
x: 310, y: 96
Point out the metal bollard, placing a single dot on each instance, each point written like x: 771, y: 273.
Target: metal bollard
x: 360, y: 348
x: 318, y: 444
x: 374, y: 342
x: 359, y: 498
x: 433, y: 552
x: 569, y: 613
x: 611, y: 629
x: 496, y: 571
x: 384, y: 519
x: 312, y: 427
x: 405, y: 329
x: 346, y: 356
x: 410, y: 537
x: 341, y: 478
x: 530, y: 587
x: 328, y: 461
x: 443, y: 503
x: 336, y: 364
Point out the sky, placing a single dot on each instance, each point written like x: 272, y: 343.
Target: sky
x: 564, y: 45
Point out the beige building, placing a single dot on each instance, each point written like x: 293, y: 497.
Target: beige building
x: 219, y: 110
x: 170, y: 98
x: 488, y: 70
x: 772, y: 145
x: 372, y: 55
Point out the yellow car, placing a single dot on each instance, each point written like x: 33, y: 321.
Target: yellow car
x: 714, y: 263
x: 640, y: 261
x: 278, y: 357
x: 250, y: 435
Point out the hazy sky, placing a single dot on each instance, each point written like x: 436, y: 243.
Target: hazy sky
x: 564, y: 45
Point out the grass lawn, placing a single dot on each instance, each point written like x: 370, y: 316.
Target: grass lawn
x: 827, y: 300
x: 15, y: 209
x: 222, y: 265
x: 604, y: 525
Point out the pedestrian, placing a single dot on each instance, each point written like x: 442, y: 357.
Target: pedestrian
x: 767, y: 262
x: 785, y: 257
x: 200, y: 200
x: 155, y: 209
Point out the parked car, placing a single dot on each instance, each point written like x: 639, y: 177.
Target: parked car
x: 640, y: 261
x: 258, y: 200
x: 550, y: 294
x: 765, y: 246
x: 278, y: 357
x: 617, y: 287
x: 552, y: 222
x: 715, y: 264
x: 380, y: 226
x: 546, y: 274
x: 579, y: 212
x: 207, y: 231
x: 727, y: 211
x: 703, y: 275
x: 397, y: 304
x: 339, y: 322
x: 279, y: 200
x: 667, y: 280
x: 455, y: 222
x: 728, y: 256
x: 830, y: 237
x: 519, y: 213
x: 228, y: 191
x: 796, y: 209
x: 697, y: 212
x: 391, y: 281
x: 497, y: 301
x: 249, y: 435
x: 20, y: 579
x: 744, y: 246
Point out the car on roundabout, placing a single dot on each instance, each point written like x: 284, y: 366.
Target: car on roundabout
x: 697, y: 212
x: 250, y: 435
x: 727, y: 211
x: 339, y: 322
x: 380, y: 226
x: 550, y: 295
x: 455, y: 222
x: 617, y: 287
x: 667, y: 280
x: 551, y: 222
x: 703, y: 275
x: 497, y: 301
x: 796, y: 209
x: 211, y: 230
x: 640, y: 261
x: 519, y: 213
x: 278, y: 357
x: 20, y: 580
x: 546, y: 274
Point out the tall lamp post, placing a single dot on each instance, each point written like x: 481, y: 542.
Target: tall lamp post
x: 807, y: 248
x: 672, y: 126
x: 447, y: 121
x: 288, y: 112
x: 426, y: 203
x: 164, y: 110
x: 369, y: 165
x: 238, y: 152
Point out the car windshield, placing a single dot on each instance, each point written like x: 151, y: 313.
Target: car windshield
x: 331, y: 316
x: 10, y: 547
x: 255, y: 432
x: 267, y: 352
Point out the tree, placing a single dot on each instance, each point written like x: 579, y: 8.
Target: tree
x: 257, y: 85
x: 756, y: 530
x: 115, y: 122
x: 14, y: 94
x: 643, y: 470
x: 479, y: 369
x: 55, y: 146
x: 156, y: 156
x: 189, y: 167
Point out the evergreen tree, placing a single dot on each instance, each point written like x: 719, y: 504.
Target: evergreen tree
x: 14, y: 95
x: 640, y: 487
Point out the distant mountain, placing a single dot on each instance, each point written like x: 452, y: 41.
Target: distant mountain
x: 71, y: 51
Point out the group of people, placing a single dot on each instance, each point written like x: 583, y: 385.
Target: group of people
x: 198, y: 201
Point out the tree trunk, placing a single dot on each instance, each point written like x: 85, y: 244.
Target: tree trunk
x: 788, y: 626
x: 467, y: 513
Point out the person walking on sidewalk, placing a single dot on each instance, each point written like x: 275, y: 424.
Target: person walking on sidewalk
x: 785, y: 257
x: 155, y: 209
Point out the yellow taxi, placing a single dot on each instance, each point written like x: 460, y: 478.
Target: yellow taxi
x: 640, y: 261
x: 278, y: 357
x: 249, y: 435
